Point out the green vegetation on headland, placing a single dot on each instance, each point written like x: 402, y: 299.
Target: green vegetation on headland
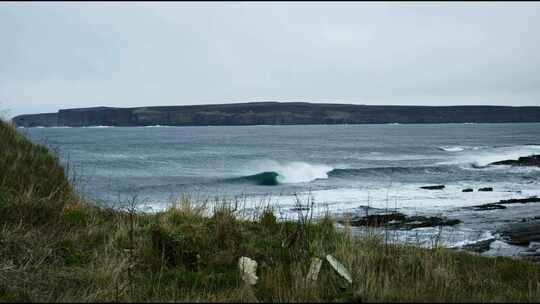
x: 277, y: 113
x: 56, y: 247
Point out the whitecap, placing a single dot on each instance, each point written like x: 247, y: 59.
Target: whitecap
x: 452, y: 148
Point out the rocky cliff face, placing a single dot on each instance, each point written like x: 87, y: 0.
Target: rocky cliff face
x: 274, y: 113
x: 37, y: 120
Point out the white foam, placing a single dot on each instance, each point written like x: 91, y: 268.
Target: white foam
x: 452, y: 148
x: 407, y: 198
x: 484, y: 157
x: 291, y: 172
x: 487, y: 235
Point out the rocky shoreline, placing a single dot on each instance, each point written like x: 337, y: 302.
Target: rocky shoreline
x: 521, y: 232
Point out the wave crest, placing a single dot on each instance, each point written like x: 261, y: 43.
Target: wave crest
x: 269, y: 178
x: 288, y: 172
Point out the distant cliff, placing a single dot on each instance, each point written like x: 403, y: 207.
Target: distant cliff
x: 33, y: 120
x: 276, y: 113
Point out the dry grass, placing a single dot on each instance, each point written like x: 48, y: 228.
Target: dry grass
x: 55, y: 247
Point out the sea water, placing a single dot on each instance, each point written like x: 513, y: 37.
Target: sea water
x: 341, y: 168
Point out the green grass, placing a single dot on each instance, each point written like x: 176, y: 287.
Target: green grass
x: 56, y: 247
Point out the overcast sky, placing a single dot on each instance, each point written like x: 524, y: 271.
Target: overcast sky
x: 65, y: 55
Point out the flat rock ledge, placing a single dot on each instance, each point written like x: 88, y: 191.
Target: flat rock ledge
x: 501, y: 204
x: 436, y: 187
x: 531, y: 161
x: 521, y: 233
x: 396, y: 220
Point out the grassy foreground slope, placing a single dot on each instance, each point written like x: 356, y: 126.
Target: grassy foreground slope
x: 56, y: 247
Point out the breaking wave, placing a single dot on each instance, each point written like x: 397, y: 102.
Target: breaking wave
x: 264, y: 179
x: 303, y: 173
x: 273, y: 172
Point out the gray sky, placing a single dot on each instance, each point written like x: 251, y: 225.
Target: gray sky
x: 64, y: 55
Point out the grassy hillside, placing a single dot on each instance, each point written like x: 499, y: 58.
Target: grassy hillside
x: 55, y: 247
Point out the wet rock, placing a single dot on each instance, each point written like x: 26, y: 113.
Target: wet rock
x: 437, y: 187
x: 533, y: 160
x: 478, y: 247
x: 532, y: 253
x: 377, y: 220
x: 522, y: 233
x: 339, y: 268
x: 248, y: 270
x: 467, y: 190
x: 492, y: 206
x: 486, y: 189
x: 528, y: 219
x: 500, y: 204
x: 398, y: 220
x: 532, y: 199
x: 432, y: 221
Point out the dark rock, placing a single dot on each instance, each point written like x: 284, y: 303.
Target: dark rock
x: 521, y: 233
x: 478, y: 247
x: 467, y: 190
x: 438, y: 187
x: 432, y: 221
x: 532, y: 199
x: 533, y: 160
x: 398, y: 220
x: 532, y: 253
x: 530, y: 219
x: 486, y: 189
x: 500, y: 204
x: 278, y: 113
x: 492, y: 206
x: 377, y: 220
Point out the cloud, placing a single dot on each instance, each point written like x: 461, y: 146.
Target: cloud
x: 63, y: 55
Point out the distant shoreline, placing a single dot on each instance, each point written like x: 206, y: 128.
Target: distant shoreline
x: 280, y: 125
x: 277, y: 113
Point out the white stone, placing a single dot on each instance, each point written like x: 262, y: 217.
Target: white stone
x: 248, y: 270
x: 314, y: 269
x: 339, y: 268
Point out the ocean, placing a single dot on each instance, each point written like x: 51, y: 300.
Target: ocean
x: 341, y: 168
